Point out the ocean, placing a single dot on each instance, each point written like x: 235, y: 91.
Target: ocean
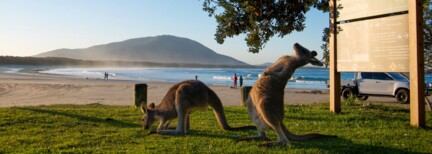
x: 303, y: 78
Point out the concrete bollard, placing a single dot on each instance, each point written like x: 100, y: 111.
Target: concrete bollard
x: 140, y: 94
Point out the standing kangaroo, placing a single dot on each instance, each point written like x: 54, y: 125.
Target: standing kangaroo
x: 265, y: 102
x: 180, y: 101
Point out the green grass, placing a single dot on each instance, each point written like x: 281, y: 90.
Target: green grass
x: 117, y: 129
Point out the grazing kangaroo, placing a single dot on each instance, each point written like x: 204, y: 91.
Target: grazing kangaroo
x: 180, y: 101
x: 265, y: 102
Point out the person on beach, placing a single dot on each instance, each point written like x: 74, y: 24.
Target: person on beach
x: 235, y: 80
x: 106, y: 76
x: 241, y: 81
x: 196, y: 77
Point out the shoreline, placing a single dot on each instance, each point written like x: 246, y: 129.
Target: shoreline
x: 18, y: 89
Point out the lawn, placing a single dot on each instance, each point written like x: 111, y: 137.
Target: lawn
x: 117, y: 129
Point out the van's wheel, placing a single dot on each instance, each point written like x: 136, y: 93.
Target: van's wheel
x: 402, y: 96
x: 347, y: 93
x: 362, y: 98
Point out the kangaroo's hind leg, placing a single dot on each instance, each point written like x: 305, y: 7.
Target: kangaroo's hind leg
x: 272, y: 115
x: 281, y: 135
x: 259, y: 123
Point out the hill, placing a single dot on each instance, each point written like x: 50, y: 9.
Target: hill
x: 158, y: 49
x: 265, y: 64
x: 68, y: 62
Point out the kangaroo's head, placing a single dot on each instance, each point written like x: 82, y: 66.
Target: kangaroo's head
x: 305, y: 56
x: 148, y: 115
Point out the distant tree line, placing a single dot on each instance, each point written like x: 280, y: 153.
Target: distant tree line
x: 59, y: 61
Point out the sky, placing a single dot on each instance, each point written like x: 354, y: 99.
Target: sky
x: 30, y: 27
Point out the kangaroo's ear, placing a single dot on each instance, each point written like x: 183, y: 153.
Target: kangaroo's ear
x: 316, y: 62
x: 151, y: 106
x: 313, y: 53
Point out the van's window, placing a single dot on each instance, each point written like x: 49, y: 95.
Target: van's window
x: 381, y: 76
x: 366, y: 75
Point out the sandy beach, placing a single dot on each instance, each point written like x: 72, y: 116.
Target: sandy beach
x: 34, y: 90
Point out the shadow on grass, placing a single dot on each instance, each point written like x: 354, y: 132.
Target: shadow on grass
x: 211, y: 134
x: 199, y: 133
x: 108, y: 121
x: 376, y: 112
x: 336, y: 145
x: 339, y: 145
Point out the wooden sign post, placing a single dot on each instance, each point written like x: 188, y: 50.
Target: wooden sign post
x: 335, y: 99
x: 417, y: 101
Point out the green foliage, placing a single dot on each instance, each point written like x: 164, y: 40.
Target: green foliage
x: 325, y: 47
x: 427, y: 17
x: 259, y: 20
x: 117, y: 129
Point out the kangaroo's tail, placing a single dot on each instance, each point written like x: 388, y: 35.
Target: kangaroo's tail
x: 216, y: 104
x: 293, y: 137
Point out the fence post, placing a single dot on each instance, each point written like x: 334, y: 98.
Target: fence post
x: 140, y: 94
